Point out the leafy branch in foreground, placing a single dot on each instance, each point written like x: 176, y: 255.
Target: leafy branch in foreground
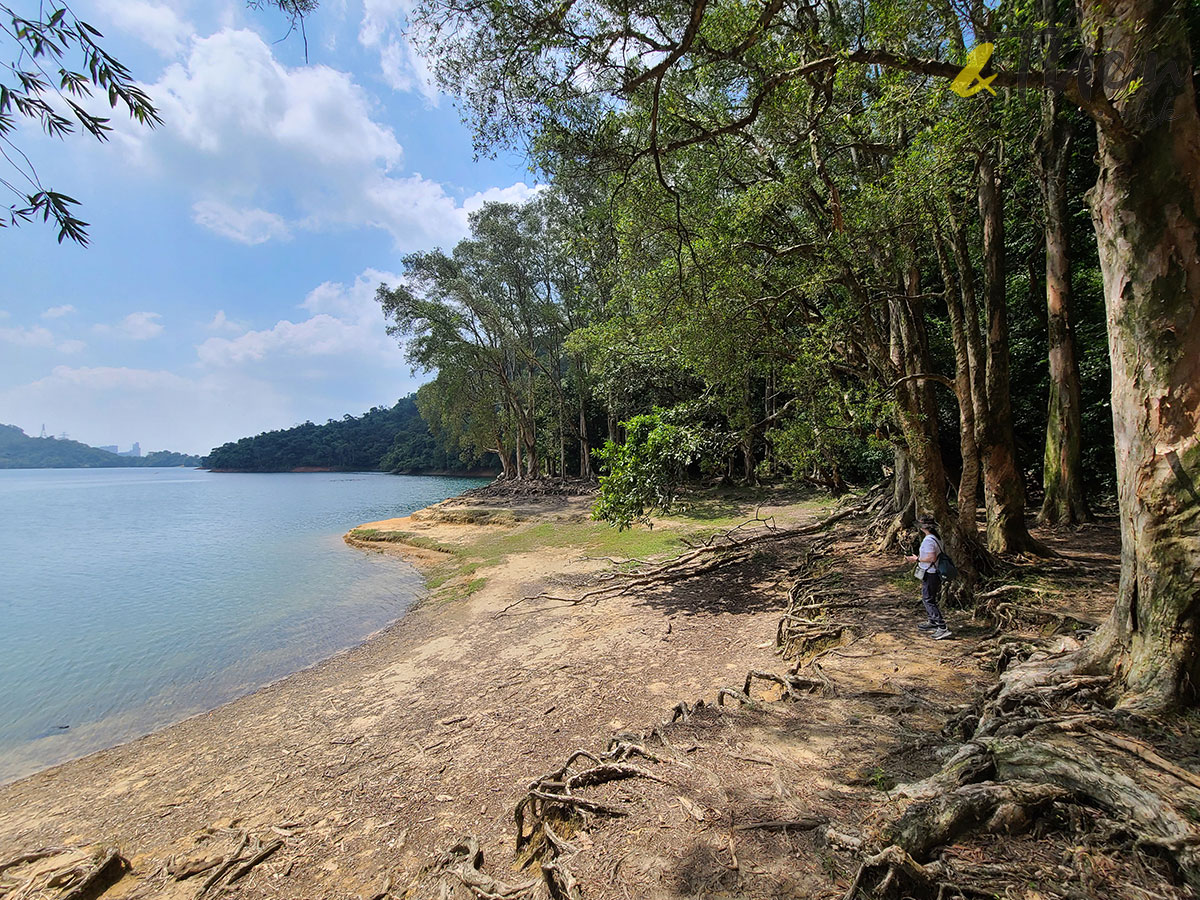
x: 51, y: 66
x: 646, y: 471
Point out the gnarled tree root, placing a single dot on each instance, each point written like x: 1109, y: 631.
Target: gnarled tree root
x: 1003, y: 783
x: 464, y: 861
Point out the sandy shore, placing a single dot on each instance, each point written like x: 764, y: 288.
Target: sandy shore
x: 373, y: 760
x: 349, y: 778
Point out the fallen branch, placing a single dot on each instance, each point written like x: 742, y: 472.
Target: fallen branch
x: 1011, y: 588
x: 731, y: 550
x: 253, y: 861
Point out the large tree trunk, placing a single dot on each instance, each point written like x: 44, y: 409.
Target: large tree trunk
x: 1065, y: 501
x: 1145, y: 209
x: 1003, y: 481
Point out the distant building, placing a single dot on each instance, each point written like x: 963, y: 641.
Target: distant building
x: 111, y: 448
x: 136, y: 450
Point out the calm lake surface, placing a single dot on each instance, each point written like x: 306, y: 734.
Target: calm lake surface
x: 133, y: 598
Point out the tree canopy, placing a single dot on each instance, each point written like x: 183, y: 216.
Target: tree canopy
x: 835, y: 255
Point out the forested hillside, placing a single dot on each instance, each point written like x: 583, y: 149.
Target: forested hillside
x: 383, y: 439
x: 19, y: 451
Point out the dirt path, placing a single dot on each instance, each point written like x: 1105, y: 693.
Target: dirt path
x: 361, y: 770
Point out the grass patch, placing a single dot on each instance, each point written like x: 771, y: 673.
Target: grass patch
x: 727, y: 507
x: 459, y: 590
x: 375, y: 536
x: 454, y: 577
x: 593, y: 538
x: 904, y: 581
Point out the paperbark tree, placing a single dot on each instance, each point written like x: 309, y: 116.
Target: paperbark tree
x: 1146, y: 211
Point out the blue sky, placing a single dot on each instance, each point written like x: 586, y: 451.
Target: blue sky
x: 229, y: 286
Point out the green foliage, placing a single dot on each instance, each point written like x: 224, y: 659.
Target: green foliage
x: 492, y: 317
x: 389, y: 440
x: 759, y: 231
x: 53, y: 64
x: 646, y: 471
x: 19, y: 451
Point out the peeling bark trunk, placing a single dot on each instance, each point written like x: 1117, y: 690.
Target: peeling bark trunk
x: 1065, y: 501
x: 903, y: 503
x: 1145, y: 209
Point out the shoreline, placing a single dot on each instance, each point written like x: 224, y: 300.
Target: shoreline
x: 360, y: 771
x: 240, y: 748
x: 274, y: 682
x: 105, y: 725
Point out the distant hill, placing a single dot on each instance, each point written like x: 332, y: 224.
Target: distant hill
x: 383, y: 439
x: 20, y: 451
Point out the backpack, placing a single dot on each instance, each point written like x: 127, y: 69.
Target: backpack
x: 944, y: 564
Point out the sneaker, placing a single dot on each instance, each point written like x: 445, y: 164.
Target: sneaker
x: 941, y: 634
x: 927, y: 626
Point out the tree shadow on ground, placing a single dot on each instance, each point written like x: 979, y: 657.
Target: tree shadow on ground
x: 737, y: 590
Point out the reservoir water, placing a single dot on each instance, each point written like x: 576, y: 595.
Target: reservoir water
x: 133, y: 598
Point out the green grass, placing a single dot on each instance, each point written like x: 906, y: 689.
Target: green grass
x: 374, y: 535
x: 727, y: 507
x: 703, y: 514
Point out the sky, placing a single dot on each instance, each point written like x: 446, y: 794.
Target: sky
x: 235, y: 251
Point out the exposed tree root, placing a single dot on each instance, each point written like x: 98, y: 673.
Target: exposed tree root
x: 464, y: 861
x: 1045, y: 743
x: 31, y: 856
x: 891, y: 873
x: 1010, y: 615
x: 806, y: 630
x: 106, y: 869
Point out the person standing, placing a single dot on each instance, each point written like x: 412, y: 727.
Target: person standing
x: 931, y: 582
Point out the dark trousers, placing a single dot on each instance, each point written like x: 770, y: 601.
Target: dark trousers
x: 931, y: 585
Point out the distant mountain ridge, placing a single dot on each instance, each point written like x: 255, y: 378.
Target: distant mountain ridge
x: 20, y: 451
x: 394, y: 439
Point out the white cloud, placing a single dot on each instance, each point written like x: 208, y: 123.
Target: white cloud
x: 269, y: 150
x: 38, y: 337
x: 220, y: 322
x: 231, y: 95
x: 346, y: 325
x: 336, y: 359
x: 246, y: 226
x: 384, y: 30
x: 156, y: 24
x: 27, y: 337
x: 318, y: 336
x: 57, y: 312
x: 516, y: 193
x: 138, y: 326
